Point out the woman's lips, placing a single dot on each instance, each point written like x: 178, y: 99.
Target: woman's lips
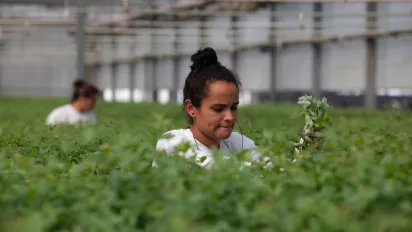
x: 226, y: 126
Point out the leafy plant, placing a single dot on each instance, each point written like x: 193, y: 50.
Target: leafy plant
x: 316, y: 117
x: 100, y: 178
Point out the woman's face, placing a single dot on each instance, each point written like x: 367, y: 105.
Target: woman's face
x: 217, y: 114
x: 88, y: 103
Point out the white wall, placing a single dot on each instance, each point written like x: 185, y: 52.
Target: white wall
x: 343, y: 66
x: 39, y: 63
x: 294, y: 68
x: 44, y: 63
x: 395, y: 62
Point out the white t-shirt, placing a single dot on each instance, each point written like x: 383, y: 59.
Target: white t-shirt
x: 234, y: 144
x: 67, y: 114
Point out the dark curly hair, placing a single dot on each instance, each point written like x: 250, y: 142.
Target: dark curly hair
x: 205, y: 69
x: 82, y: 88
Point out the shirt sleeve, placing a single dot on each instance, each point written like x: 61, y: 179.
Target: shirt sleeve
x: 169, y: 141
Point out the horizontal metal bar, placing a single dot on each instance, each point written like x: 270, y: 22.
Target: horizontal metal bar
x: 37, y: 22
x: 252, y: 24
x: 168, y: 42
x: 297, y: 14
x: 172, y: 24
x: 32, y: 54
x: 256, y: 25
x: 215, y: 13
x: 165, y: 38
x: 205, y: 13
x: 280, y: 27
x: 310, y: 1
x: 202, y: 3
x: 320, y: 39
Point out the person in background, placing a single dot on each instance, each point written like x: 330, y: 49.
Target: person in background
x: 84, y: 98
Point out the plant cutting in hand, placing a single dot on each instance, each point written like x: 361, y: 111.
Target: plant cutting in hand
x: 316, y: 119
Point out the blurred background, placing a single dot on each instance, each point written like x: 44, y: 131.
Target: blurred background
x: 356, y: 52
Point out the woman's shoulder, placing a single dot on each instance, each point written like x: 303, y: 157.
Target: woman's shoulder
x: 173, y: 138
x: 61, y: 108
x: 175, y: 133
x: 238, y: 140
x: 57, y: 114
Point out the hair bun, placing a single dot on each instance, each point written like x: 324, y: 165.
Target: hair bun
x: 204, y: 57
x: 79, y: 84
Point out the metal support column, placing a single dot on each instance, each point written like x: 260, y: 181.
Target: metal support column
x: 132, y: 81
x: 132, y: 69
x: 1, y: 65
x: 273, y: 53
x: 113, y: 79
x: 176, y: 67
x: 234, y: 41
x: 1, y: 69
x: 202, y: 32
x: 153, y: 60
x: 371, y: 59
x: 1, y: 77
x: 153, y: 64
x: 317, y: 52
x: 80, y: 39
x: 96, y: 71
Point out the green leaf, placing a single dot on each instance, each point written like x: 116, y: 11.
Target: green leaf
x: 202, y: 159
x: 309, y: 120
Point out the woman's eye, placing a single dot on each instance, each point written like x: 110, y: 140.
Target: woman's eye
x: 218, y: 109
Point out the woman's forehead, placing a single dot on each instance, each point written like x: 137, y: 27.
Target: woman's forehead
x: 222, y: 88
x: 222, y: 93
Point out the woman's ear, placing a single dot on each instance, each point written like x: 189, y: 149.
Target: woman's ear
x: 190, y: 108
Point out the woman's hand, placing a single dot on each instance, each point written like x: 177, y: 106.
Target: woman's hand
x: 311, y: 136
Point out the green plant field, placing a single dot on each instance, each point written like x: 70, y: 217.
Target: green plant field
x: 99, y: 178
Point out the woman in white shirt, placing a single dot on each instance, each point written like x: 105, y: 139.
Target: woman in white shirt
x: 210, y: 99
x: 84, y: 98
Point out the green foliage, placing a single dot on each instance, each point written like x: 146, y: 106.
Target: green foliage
x: 315, y: 112
x: 316, y: 117
x: 100, y: 178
